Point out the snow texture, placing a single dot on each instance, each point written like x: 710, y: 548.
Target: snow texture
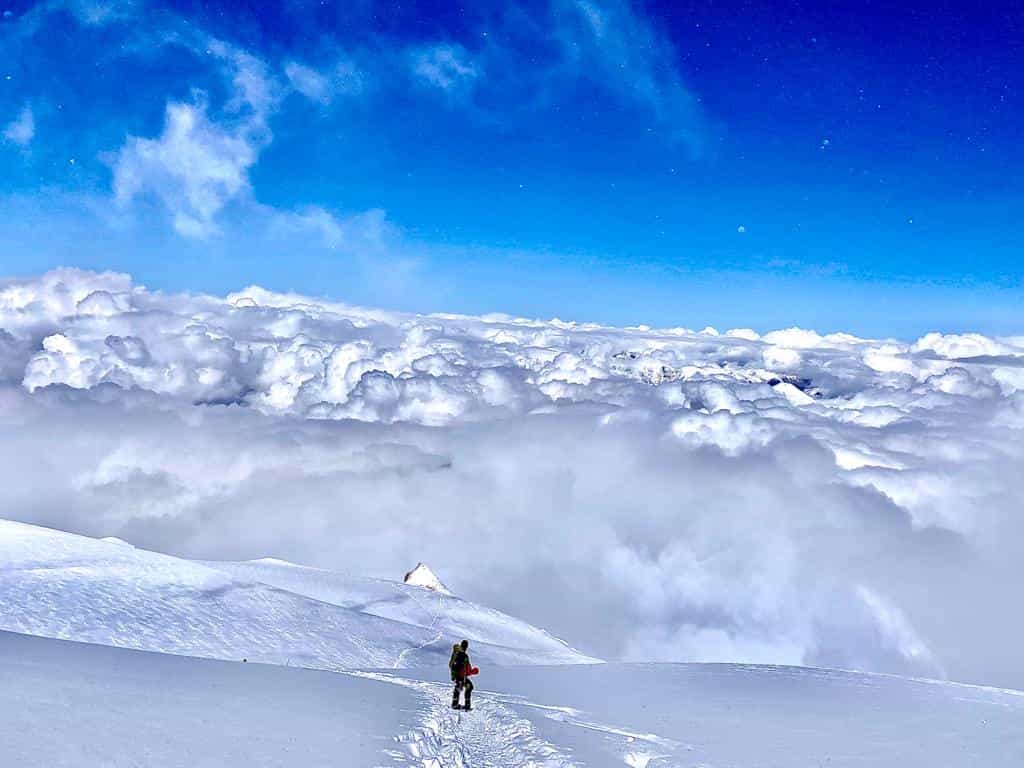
x: 67, y: 704
x: 651, y: 494
x: 65, y: 586
x: 70, y: 705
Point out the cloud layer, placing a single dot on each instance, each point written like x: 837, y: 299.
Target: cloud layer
x: 648, y: 494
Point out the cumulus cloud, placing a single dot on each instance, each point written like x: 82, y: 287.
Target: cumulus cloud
x: 648, y: 494
x: 22, y: 129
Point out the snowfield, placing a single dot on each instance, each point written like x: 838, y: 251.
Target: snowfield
x: 377, y: 692
x: 499, y: 637
x: 69, y: 705
x: 750, y: 716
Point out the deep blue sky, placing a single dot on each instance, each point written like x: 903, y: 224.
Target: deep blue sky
x: 854, y: 166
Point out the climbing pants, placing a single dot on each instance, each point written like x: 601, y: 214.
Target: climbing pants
x: 463, y: 684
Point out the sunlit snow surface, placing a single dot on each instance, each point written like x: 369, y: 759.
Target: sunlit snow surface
x: 67, y: 705
x: 70, y: 705
x: 65, y: 586
x: 60, y: 585
x: 422, y: 576
x: 649, y: 494
x: 73, y: 704
x: 446, y: 618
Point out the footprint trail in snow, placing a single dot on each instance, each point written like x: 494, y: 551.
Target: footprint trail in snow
x: 494, y: 735
x: 491, y: 736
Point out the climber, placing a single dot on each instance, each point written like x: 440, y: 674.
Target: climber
x: 461, y: 669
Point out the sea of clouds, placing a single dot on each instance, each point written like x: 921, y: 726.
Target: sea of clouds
x: 647, y: 494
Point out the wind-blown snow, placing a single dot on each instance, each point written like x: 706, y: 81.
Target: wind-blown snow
x: 789, y: 497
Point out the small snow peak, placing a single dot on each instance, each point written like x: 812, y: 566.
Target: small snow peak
x: 422, y: 576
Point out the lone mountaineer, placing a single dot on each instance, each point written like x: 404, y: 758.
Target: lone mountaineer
x: 462, y: 670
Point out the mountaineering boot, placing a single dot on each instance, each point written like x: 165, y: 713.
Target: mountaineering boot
x: 468, y: 706
x: 455, y: 698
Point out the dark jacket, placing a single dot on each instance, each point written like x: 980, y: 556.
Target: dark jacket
x: 460, y: 665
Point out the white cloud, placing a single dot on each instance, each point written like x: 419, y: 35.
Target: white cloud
x: 253, y: 90
x: 962, y: 345
x: 368, y: 236
x: 345, y: 78
x: 97, y: 13
x: 195, y: 168
x: 308, y: 81
x: 316, y: 220
x: 645, y: 493
x: 445, y: 66
x: 22, y: 129
x: 199, y: 165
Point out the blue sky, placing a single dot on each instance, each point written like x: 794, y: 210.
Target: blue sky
x: 855, y: 167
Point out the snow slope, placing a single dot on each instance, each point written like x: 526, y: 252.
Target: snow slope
x: 77, y: 704
x: 71, y: 705
x: 750, y: 716
x: 60, y: 585
x: 68, y: 704
x: 447, y: 617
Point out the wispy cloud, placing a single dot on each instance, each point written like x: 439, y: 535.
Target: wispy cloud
x: 198, y: 165
x: 309, y: 82
x: 22, y: 129
x: 195, y: 167
x: 200, y: 161
x: 314, y: 219
x: 344, y: 78
x: 616, y: 45
x: 100, y: 12
x: 446, y: 66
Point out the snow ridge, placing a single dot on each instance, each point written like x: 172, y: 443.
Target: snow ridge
x: 56, y: 584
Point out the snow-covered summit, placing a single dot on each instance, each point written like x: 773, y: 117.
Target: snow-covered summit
x: 422, y: 576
